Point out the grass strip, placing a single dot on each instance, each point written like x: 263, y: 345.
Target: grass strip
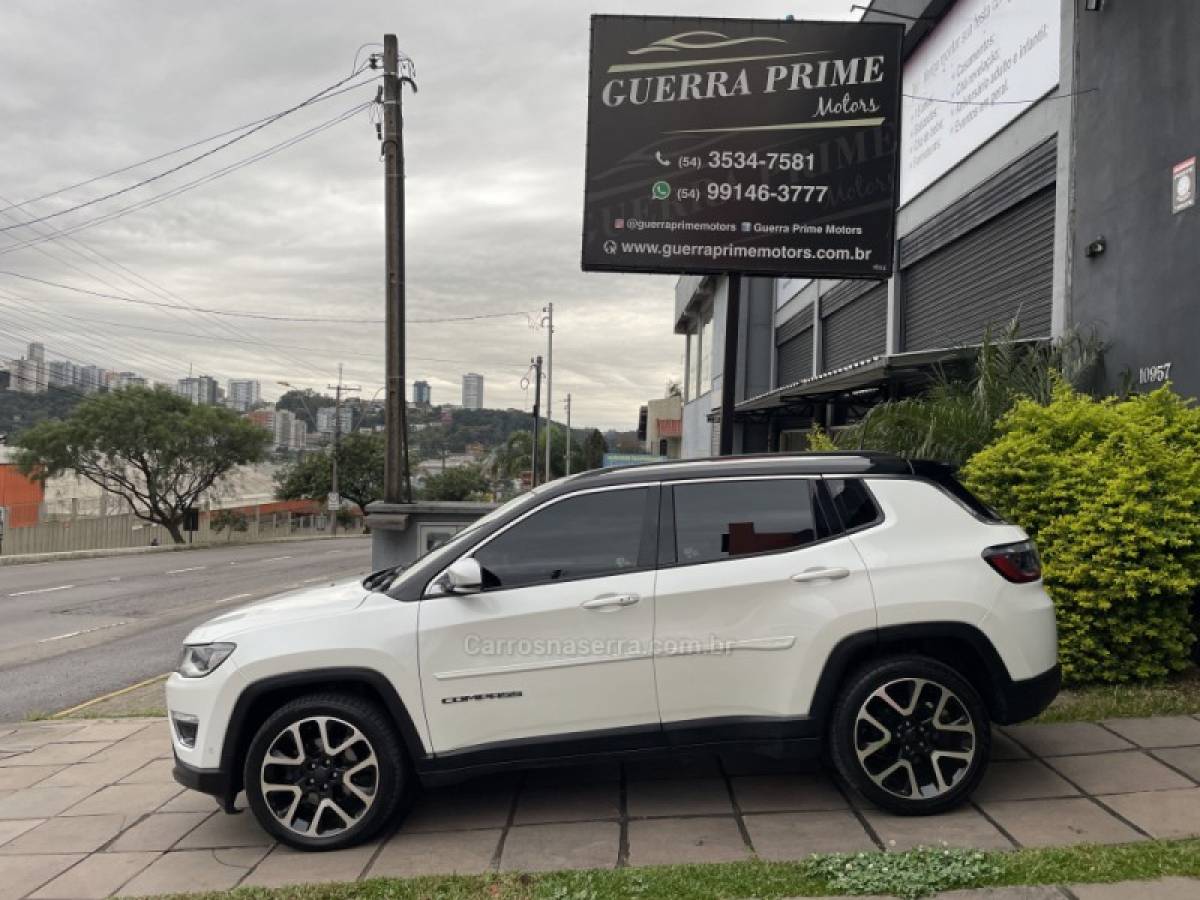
x: 911, y: 874
x: 1179, y: 696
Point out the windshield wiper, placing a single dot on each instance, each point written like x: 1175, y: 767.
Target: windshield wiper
x: 382, y: 579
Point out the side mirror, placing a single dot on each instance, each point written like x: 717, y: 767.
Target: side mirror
x: 464, y: 577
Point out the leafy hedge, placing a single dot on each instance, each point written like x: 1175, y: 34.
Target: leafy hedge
x: 1110, y: 490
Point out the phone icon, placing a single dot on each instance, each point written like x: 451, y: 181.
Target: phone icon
x: 662, y: 160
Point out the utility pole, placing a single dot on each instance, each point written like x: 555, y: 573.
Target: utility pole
x: 733, y: 316
x: 397, y: 484
x: 568, y: 459
x: 337, y: 443
x: 549, y: 322
x: 537, y: 402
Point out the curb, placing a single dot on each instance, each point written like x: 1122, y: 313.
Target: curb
x: 34, y: 558
x: 64, y: 713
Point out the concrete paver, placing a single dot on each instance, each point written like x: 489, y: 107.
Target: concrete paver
x: 125, y: 800
x: 409, y: 854
x: 1022, y: 779
x: 679, y: 797
x: 1066, y: 738
x: 21, y: 875
x: 194, y: 870
x: 1185, y: 759
x: 1163, y: 889
x: 574, y: 845
x: 284, y: 866
x: 451, y: 808
x: 10, y: 828
x: 69, y: 834
x: 40, y: 802
x: 96, y: 877
x: 1048, y: 823
x: 962, y: 827
x: 90, y: 774
x: 156, y: 772
x: 221, y: 830
x: 14, y: 778
x: 1158, y: 731
x: 783, y: 836
x: 660, y: 842
x: 1119, y: 773
x: 160, y: 831
x: 786, y: 793
x: 56, y: 754
x: 1163, y: 814
x: 569, y: 803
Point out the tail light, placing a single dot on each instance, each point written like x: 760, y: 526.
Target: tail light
x: 1017, y: 562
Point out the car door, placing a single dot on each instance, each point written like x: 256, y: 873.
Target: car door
x: 557, y: 643
x: 754, y: 590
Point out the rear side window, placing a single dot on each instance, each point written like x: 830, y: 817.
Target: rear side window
x: 852, y: 503
x: 587, y: 536
x: 726, y: 519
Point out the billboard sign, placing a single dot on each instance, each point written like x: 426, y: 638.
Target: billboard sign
x: 761, y: 147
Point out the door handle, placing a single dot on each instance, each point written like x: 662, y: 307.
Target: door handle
x: 610, y: 601
x: 820, y: 573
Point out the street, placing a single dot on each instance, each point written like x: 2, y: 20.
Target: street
x: 76, y: 629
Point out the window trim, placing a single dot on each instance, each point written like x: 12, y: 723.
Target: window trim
x: 879, y: 519
x: 647, y: 544
x: 668, y: 528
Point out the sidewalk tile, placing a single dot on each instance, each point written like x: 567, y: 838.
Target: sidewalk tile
x: 1047, y: 823
x: 115, y: 730
x: 569, y: 776
x: 1162, y: 889
x: 682, y: 765
x: 94, y: 774
x: 190, y: 801
x: 438, y: 853
x: 159, y: 831
x: 10, y: 828
x: 1158, y: 731
x: 224, y: 830
x: 1118, y: 773
x: 568, y: 803
x: 1022, y: 779
x: 784, y: 836
x: 578, y: 845
x: 661, y: 842
x: 14, y: 778
x: 780, y: 793
x: 41, y: 802
x: 56, y: 754
x: 95, y: 877
x: 284, y: 866
x: 678, y: 797
x: 74, y: 834
x: 194, y: 870
x: 1005, y: 748
x: 1024, y: 892
x: 460, y: 807
x: 158, y: 771
x: 748, y: 763
x: 125, y: 799
x: 21, y: 874
x: 1186, y: 759
x: 962, y: 827
x: 1164, y: 814
x: 31, y: 736
x: 1066, y: 738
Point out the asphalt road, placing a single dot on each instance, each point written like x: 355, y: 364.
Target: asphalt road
x: 72, y: 630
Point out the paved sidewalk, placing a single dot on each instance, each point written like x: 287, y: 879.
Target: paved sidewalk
x: 89, y: 809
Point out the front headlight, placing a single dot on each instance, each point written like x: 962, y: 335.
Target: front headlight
x: 200, y: 659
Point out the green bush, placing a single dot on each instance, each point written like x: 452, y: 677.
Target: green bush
x: 1110, y: 490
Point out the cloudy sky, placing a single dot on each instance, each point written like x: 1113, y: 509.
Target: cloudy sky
x: 494, y: 147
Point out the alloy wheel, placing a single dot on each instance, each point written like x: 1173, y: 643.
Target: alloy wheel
x: 915, y: 738
x: 320, y: 776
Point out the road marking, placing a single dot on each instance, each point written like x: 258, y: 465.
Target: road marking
x: 61, y: 587
x: 234, y: 597
x: 62, y: 713
x: 275, y: 559
x: 188, y: 569
x: 71, y: 634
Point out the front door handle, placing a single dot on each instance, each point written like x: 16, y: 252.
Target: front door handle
x: 610, y: 601
x: 820, y: 573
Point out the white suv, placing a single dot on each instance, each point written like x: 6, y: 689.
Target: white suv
x: 859, y: 603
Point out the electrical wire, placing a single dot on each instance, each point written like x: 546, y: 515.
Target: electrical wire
x: 1065, y: 96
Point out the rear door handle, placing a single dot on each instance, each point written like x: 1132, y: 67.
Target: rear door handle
x: 820, y: 573
x: 610, y: 601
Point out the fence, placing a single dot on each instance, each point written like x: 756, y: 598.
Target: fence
x: 32, y: 530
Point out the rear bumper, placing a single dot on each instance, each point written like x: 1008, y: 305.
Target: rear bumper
x: 216, y: 782
x: 1024, y: 699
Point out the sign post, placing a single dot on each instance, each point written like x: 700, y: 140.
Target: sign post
x: 742, y: 147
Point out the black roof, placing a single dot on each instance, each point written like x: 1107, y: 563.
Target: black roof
x: 841, y: 463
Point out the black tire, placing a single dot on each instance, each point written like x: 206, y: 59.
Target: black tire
x: 880, y: 773
x: 385, y: 784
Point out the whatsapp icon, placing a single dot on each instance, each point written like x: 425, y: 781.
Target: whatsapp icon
x: 660, y: 191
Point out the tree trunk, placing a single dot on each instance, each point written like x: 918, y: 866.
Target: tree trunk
x: 175, y: 531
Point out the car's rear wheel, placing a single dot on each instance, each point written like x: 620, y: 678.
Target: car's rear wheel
x: 325, y: 771
x: 911, y: 735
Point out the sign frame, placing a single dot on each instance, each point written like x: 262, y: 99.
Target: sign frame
x: 881, y: 239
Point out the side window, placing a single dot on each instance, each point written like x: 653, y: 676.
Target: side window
x: 724, y: 519
x: 852, y: 502
x: 580, y: 537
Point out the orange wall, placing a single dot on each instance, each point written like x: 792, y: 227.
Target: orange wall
x: 22, y: 496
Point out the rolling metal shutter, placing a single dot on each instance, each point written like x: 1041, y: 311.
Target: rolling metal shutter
x: 795, y: 348
x: 1001, y: 270
x: 854, y: 327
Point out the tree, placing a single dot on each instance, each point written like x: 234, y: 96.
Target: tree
x: 360, y: 472
x: 594, y: 449
x: 304, y: 404
x: 231, y: 519
x: 462, y: 483
x: 156, y: 450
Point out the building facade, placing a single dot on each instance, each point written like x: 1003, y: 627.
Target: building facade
x: 472, y: 391
x: 28, y: 374
x: 422, y: 395
x: 199, y: 389
x: 243, y: 393
x: 327, y: 415
x: 1031, y: 196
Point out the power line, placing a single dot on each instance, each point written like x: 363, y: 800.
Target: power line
x: 187, y: 162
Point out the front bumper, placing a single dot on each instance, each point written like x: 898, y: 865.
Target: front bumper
x: 216, y: 782
x: 1024, y: 699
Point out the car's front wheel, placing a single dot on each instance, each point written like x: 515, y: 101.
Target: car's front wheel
x: 325, y: 771
x: 911, y: 735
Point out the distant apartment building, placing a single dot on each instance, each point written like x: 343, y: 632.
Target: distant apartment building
x: 326, y: 416
x: 199, y: 389
x: 243, y: 393
x: 286, y: 430
x: 61, y: 374
x: 121, y: 380
x: 472, y: 391
x: 421, y: 393
x: 90, y: 378
x: 299, y: 436
x: 28, y: 374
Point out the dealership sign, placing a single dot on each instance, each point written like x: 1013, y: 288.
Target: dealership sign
x: 736, y: 145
